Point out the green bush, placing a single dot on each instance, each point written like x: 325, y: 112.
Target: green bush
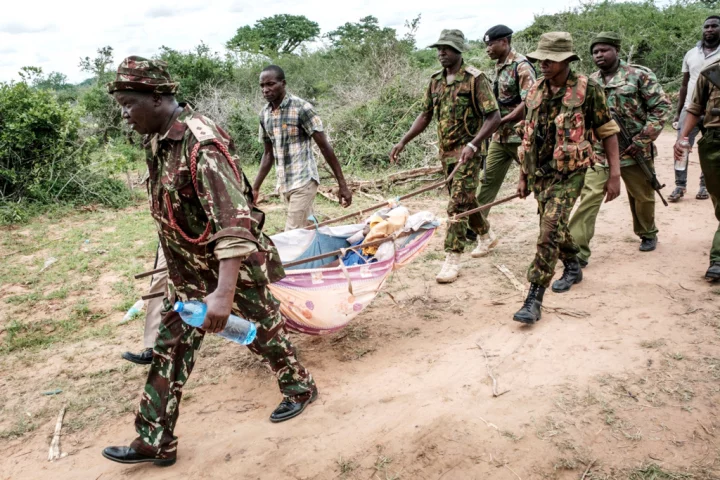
x: 43, y: 159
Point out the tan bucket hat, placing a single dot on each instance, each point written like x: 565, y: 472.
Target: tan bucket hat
x: 555, y: 46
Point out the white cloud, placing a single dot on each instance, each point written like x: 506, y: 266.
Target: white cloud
x: 56, y: 37
x: 17, y: 28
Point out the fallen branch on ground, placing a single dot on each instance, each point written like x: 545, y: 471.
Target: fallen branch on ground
x: 505, y: 271
x: 490, y: 374
x: 54, y: 452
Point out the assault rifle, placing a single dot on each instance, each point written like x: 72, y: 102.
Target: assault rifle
x: 625, y: 140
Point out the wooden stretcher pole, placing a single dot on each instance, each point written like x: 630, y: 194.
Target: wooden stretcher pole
x: 385, y: 203
x: 483, y: 207
x: 361, y: 212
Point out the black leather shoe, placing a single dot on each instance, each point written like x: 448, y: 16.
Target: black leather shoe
x: 713, y: 273
x: 143, y: 358
x: 288, y: 409
x: 531, y: 310
x: 129, y: 455
x: 648, y: 244
x: 571, y: 275
x: 583, y: 263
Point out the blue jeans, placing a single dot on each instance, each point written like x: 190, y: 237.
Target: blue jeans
x: 681, y: 176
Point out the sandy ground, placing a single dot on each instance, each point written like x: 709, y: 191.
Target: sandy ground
x: 620, y: 378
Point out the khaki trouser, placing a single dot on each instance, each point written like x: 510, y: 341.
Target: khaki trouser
x: 500, y: 157
x: 641, y: 197
x: 153, y: 315
x: 300, y: 205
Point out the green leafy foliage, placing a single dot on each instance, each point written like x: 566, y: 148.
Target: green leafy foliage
x: 273, y: 35
x: 653, y: 34
x: 196, y: 69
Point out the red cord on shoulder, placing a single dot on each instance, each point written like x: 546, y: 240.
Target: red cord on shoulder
x: 193, y: 172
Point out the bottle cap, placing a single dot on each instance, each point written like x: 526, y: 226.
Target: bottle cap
x: 179, y: 306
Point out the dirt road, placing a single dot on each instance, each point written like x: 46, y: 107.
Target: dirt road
x: 620, y: 378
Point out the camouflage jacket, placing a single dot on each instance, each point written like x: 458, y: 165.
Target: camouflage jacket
x: 459, y: 116
x: 636, y: 95
x: 182, y: 210
x: 706, y: 97
x: 558, y: 128
x: 513, y: 79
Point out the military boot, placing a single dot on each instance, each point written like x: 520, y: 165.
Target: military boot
x: 450, y: 269
x: 531, y: 310
x: 571, y: 275
x: 713, y: 273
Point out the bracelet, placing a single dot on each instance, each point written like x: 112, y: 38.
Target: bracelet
x: 473, y: 147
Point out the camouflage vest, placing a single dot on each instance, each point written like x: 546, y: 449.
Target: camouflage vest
x: 473, y: 117
x: 572, y: 147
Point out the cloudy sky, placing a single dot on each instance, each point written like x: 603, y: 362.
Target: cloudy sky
x: 55, y: 35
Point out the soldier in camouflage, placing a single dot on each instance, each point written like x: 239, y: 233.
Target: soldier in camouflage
x: 460, y: 98
x: 513, y: 77
x: 565, y: 113
x: 639, y: 101
x: 211, y: 234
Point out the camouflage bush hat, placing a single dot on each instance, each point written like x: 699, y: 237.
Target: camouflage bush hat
x: 142, y: 75
x: 555, y: 46
x: 608, y: 38
x: 452, y: 38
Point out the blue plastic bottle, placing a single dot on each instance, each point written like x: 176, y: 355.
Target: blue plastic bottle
x: 237, y: 329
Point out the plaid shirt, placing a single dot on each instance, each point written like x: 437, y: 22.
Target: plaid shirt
x: 289, y: 128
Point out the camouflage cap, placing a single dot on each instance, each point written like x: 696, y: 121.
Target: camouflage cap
x: 608, y: 38
x: 142, y: 75
x: 452, y: 38
x: 555, y: 46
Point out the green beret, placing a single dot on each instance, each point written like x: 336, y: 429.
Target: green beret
x: 608, y: 38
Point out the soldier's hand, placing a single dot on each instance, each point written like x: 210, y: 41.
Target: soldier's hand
x: 680, y: 148
x: 396, y: 150
x: 632, y: 150
x: 219, y: 307
x: 466, y: 155
x: 612, y: 188
x: 522, y: 189
x: 345, y: 195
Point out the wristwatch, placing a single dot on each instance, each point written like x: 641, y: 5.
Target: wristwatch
x: 473, y: 147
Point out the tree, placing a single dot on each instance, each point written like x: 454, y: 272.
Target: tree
x: 97, y: 103
x: 277, y: 34
x: 196, y: 69
x: 359, y: 34
x: 98, y: 66
x: 652, y: 35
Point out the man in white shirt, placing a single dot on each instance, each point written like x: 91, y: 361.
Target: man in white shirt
x: 705, y: 52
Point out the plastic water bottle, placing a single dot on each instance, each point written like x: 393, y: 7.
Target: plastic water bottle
x: 237, y: 329
x: 681, y: 165
x: 134, y: 310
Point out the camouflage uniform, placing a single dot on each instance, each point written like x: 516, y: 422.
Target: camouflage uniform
x: 459, y: 108
x: 513, y: 79
x: 563, y: 124
x: 201, y: 203
x: 706, y: 98
x: 637, y: 97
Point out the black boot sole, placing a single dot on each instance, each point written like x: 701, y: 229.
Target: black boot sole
x: 527, y: 321
x: 160, y: 462
x: 135, y: 360
x: 567, y: 290
x: 295, y: 414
